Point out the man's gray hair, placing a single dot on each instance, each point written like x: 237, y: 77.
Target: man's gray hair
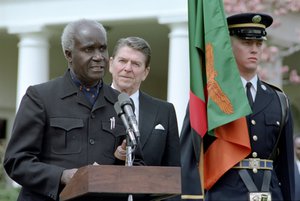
x: 68, y: 35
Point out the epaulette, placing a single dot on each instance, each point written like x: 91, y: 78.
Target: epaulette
x: 273, y: 86
x: 284, y: 101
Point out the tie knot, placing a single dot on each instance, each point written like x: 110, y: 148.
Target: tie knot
x: 248, y: 85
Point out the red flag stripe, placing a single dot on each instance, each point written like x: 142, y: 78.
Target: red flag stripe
x: 198, y: 114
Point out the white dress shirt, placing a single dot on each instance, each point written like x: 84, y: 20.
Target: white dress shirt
x: 135, y: 98
x: 253, y: 88
x: 136, y: 102
x: 298, y: 164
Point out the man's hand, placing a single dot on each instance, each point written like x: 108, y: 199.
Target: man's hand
x: 120, y: 152
x: 67, y: 175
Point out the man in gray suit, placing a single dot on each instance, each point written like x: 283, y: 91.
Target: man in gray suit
x: 159, y: 140
x: 68, y: 122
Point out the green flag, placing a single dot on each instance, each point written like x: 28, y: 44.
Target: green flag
x: 218, y: 103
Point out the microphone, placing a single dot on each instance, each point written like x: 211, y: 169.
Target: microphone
x: 129, y: 130
x: 127, y: 106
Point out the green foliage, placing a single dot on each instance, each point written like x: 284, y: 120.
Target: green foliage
x: 7, y: 192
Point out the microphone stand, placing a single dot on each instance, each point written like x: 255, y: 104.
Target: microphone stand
x: 130, y: 148
x: 129, y: 151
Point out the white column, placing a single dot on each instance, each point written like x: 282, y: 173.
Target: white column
x: 178, y: 72
x: 33, y: 61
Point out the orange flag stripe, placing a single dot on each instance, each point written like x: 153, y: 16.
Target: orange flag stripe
x: 231, y: 138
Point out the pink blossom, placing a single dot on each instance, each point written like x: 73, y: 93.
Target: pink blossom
x: 273, y: 50
x: 285, y: 69
x: 294, y: 77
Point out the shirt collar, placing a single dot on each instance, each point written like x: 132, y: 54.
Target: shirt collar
x: 253, y: 82
x: 135, y: 99
x: 79, y: 84
x: 134, y: 96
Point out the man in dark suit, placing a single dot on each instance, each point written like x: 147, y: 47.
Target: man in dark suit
x: 269, y: 169
x: 68, y: 122
x: 159, y: 140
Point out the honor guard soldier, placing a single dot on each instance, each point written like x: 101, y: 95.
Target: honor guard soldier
x: 268, y: 172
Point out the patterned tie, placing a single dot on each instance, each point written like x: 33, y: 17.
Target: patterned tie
x: 249, y: 96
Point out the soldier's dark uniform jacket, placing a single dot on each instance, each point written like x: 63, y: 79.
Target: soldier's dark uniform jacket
x: 264, y: 124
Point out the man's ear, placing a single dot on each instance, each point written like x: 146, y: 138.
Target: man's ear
x: 68, y: 55
x: 110, y: 64
x: 146, y: 72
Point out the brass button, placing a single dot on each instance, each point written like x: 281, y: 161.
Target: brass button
x: 253, y: 122
x: 254, y: 170
x: 254, y: 137
x: 254, y: 154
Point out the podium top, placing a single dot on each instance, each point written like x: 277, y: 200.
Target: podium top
x: 103, y: 180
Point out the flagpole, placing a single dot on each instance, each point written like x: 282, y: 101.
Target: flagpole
x: 201, y: 172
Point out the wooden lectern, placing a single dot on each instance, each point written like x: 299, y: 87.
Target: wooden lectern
x: 112, y: 182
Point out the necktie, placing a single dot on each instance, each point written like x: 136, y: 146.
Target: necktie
x: 249, y: 95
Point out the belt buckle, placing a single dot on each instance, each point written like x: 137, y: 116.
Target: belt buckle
x: 260, y: 196
x: 254, y: 164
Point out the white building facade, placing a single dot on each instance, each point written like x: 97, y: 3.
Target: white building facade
x: 30, y: 51
x: 30, y: 31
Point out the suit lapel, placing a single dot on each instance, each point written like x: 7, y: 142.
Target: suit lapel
x: 106, y: 94
x: 69, y: 89
x: 100, y: 102
x: 147, y: 114
x: 263, y: 98
x: 82, y: 100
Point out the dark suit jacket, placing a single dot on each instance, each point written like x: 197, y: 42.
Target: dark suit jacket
x: 266, y: 114
x: 160, y: 147
x: 190, y: 158
x: 55, y: 129
x: 297, y: 183
x: 159, y: 138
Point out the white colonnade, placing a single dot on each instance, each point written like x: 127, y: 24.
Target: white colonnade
x: 178, y: 71
x: 33, y: 59
x: 33, y: 62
